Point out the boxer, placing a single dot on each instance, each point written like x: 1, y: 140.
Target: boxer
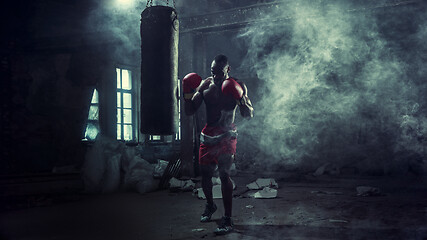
x: 222, y: 95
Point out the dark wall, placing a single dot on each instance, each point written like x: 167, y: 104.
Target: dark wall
x: 49, y: 70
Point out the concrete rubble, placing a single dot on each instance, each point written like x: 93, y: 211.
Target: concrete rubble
x: 266, y: 192
x: 261, y: 183
x: 101, y: 169
x: 183, y: 185
x: 160, y: 168
x: 108, y: 159
x: 365, y: 191
x: 327, y: 168
x: 216, y: 189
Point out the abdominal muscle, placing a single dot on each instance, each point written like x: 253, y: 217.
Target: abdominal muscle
x: 221, y: 118
x: 220, y: 109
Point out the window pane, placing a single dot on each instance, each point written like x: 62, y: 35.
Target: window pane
x: 119, y: 84
x: 178, y: 134
x: 119, y: 131
x: 119, y: 115
x: 119, y: 100
x: 167, y: 138
x: 127, y: 100
x: 91, y: 131
x: 94, y: 97
x: 127, y: 116
x: 128, y: 132
x: 126, y: 79
x: 93, y: 113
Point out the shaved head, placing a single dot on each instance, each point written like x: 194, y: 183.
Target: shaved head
x: 221, y: 60
x: 220, y: 69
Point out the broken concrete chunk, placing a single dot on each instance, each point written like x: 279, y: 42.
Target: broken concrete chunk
x: 101, y: 169
x: 216, y: 189
x: 139, y: 175
x: 249, y: 206
x: 260, y: 183
x: 198, y: 230
x: 233, y: 170
x: 187, y: 185
x: 320, y: 170
x: 266, y: 192
x: 160, y: 168
x: 174, y: 183
x: 327, y: 168
x: 217, y: 181
x: 366, y: 191
x: 253, y: 186
x: 216, y: 192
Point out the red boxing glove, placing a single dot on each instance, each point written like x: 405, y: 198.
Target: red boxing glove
x: 189, y: 83
x: 231, y: 87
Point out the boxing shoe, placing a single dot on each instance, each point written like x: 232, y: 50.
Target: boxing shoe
x: 209, y: 210
x: 225, y: 227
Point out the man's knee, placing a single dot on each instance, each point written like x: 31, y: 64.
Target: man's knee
x: 224, y: 165
x: 224, y: 176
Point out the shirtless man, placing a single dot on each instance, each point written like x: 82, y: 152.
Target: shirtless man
x: 221, y: 94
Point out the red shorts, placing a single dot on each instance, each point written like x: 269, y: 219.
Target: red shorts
x: 209, y: 153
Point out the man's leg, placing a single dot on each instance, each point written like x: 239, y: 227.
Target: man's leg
x: 207, y: 173
x: 224, y: 165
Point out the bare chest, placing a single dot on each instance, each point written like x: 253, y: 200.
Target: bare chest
x: 214, y: 98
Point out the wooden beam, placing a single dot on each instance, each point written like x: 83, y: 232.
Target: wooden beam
x: 240, y: 17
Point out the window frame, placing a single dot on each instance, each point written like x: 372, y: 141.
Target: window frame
x: 134, y: 111
x: 95, y: 121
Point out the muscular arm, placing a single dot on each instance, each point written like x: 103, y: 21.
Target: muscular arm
x: 194, y: 103
x: 245, y: 105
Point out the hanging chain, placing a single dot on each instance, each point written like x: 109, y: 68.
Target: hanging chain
x: 149, y: 2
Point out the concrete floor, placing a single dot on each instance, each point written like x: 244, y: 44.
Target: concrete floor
x: 306, y: 208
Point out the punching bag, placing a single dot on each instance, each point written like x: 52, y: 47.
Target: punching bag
x: 159, y: 70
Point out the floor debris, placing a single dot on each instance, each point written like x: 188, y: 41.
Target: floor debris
x: 173, y: 169
x: 249, y: 206
x: 327, y: 168
x: 216, y: 192
x: 266, y: 192
x: 366, y: 191
x: 261, y: 183
x: 198, y: 230
x: 177, y: 184
x: 101, y: 168
x: 216, y: 189
x: 160, y: 168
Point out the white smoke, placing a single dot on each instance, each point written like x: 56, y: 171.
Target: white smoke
x: 334, y: 88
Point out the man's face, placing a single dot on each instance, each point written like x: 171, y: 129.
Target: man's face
x: 219, y: 72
